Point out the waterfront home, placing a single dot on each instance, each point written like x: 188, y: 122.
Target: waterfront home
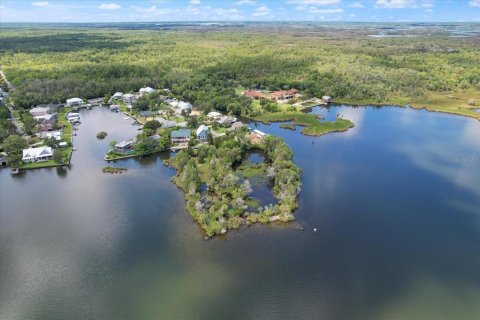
x: 37, y: 154
x: 254, y: 94
x: 226, y: 121
x: 146, y: 90
x: 180, y: 136
x: 260, y: 133
x: 128, y: 98
x: 202, y: 133
x: 236, y: 125
x: 327, y: 99
x: 75, y: 102
x: 125, y: 147
x: 117, y: 95
x: 284, y: 94
x: 256, y: 136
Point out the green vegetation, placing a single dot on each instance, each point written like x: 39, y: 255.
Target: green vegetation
x: 224, y: 200
x: 113, y: 170
x: 313, y: 126
x: 101, y: 135
x: 13, y: 146
x: 207, y: 68
x: 288, y: 126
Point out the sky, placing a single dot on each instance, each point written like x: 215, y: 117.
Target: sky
x: 240, y: 10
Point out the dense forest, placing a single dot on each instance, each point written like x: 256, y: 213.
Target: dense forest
x: 208, y: 67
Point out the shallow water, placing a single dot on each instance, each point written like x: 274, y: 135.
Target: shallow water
x: 395, y: 202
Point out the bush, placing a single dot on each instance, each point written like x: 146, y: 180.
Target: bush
x: 101, y: 135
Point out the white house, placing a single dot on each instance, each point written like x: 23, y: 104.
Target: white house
x: 37, y: 154
x: 128, y: 98
x: 202, y: 133
x: 117, y: 95
x: 74, y: 102
x: 214, y: 115
x: 182, y: 105
x: 146, y: 90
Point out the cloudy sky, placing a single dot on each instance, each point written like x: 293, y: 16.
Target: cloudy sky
x: 239, y: 10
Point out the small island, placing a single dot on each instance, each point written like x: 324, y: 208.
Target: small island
x: 217, y: 187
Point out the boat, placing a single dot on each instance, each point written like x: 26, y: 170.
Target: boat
x: 126, y: 118
x: 15, y: 171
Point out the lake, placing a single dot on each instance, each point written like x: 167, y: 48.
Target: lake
x: 395, y: 201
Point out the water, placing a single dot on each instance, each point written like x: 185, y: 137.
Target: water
x: 394, y: 201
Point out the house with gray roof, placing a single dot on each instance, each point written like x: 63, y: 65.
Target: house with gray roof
x: 180, y: 136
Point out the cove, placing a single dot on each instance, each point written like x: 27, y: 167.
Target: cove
x: 394, y: 199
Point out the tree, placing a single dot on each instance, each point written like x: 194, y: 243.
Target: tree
x: 145, y: 145
x: 164, y: 141
x: 112, y: 144
x: 57, y: 156
x: 14, y: 146
x: 51, y: 142
x: 29, y: 123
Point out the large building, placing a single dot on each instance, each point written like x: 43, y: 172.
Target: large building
x: 180, y: 136
x: 37, y: 154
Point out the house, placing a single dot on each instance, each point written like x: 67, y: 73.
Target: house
x: 236, y: 125
x: 39, y: 111
x: 3, y: 161
x: 260, y: 133
x: 226, y: 121
x: 74, y: 102
x: 166, y: 123
x: 57, y: 135
x: 146, y: 90
x: 125, y: 147
x: 254, y: 94
x: 117, y: 95
x: 46, y: 118
x: 44, y: 109
x: 180, y: 136
x: 214, y: 115
x: 37, y: 154
x: 327, y: 99
x: 283, y: 94
x: 128, y: 98
x: 202, y: 133
x: 184, y: 106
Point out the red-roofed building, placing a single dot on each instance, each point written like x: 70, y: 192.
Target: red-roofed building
x: 283, y: 94
x: 253, y: 94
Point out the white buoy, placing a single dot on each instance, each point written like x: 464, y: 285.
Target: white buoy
x: 314, y: 229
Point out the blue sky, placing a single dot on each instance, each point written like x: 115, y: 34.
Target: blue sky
x: 239, y: 10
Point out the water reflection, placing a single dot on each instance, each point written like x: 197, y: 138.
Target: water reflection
x: 396, y: 213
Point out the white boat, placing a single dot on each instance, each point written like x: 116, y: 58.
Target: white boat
x: 127, y: 118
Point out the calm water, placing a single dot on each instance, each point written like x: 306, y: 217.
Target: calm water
x: 395, y: 200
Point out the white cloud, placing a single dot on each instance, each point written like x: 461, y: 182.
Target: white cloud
x: 315, y: 10
x: 245, y: 2
x: 261, y: 11
x: 356, y: 5
x: 474, y: 3
x: 315, y: 2
x: 403, y: 4
x: 194, y: 1
x: 109, y: 6
x: 40, y: 4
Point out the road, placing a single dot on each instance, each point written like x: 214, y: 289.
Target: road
x: 11, y: 106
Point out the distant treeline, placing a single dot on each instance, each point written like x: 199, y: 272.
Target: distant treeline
x: 207, y: 68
